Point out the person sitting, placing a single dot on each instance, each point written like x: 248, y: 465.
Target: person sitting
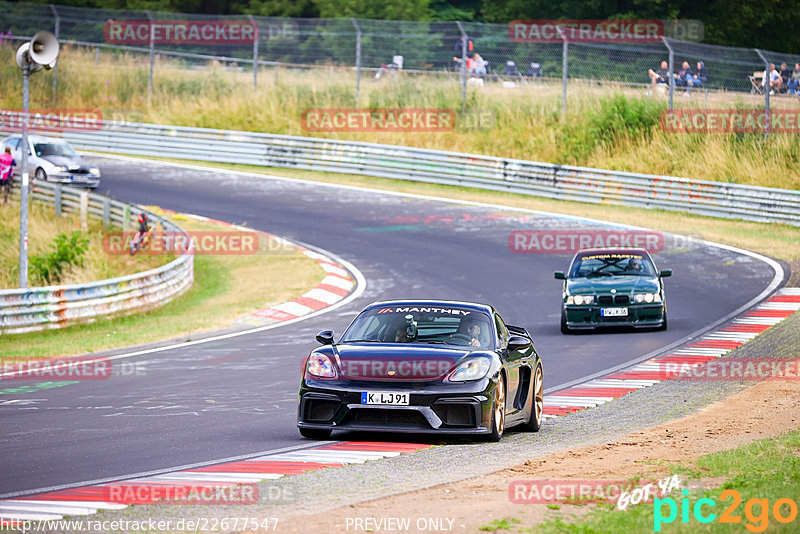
x: 794, y: 82
x: 634, y: 266
x: 700, y: 77
x: 480, y: 65
x: 681, y: 76
x: 786, y: 75
x: 401, y: 336
x: 660, y: 76
x: 775, y: 80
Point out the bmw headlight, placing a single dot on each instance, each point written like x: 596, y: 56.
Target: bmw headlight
x: 58, y: 169
x: 647, y: 297
x: 580, y: 299
x: 320, y: 366
x: 473, y: 369
x: 95, y: 171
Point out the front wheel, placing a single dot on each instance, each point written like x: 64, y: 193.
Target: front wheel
x: 41, y: 174
x: 537, y: 402
x: 564, y: 328
x: 664, y: 324
x: 315, y: 433
x: 498, y: 411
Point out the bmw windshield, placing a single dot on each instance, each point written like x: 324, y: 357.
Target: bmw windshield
x: 612, y: 264
x: 413, y: 324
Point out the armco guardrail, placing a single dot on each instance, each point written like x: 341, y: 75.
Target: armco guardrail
x: 717, y: 199
x: 40, y: 308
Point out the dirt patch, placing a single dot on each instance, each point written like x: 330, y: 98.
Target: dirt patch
x: 794, y: 275
x: 767, y: 409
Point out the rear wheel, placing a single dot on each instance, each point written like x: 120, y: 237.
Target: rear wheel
x: 537, y: 401
x: 498, y: 411
x: 315, y: 433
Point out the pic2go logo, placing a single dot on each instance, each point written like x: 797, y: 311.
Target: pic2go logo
x: 756, y: 511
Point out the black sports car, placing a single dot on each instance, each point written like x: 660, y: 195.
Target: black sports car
x: 613, y: 287
x: 422, y: 366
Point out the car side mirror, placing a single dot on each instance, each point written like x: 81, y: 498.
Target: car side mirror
x: 518, y: 343
x: 325, y: 337
x: 559, y: 275
x: 665, y: 273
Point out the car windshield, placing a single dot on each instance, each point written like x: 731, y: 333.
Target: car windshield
x: 449, y: 325
x: 612, y: 264
x: 54, y: 149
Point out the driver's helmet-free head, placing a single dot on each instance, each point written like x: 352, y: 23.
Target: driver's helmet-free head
x: 634, y: 264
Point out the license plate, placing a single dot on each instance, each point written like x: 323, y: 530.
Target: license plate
x: 384, y: 397
x: 614, y: 312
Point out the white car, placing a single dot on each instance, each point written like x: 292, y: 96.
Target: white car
x: 53, y: 160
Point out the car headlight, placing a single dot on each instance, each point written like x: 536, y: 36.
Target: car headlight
x: 320, y: 366
x: 95, y: 171
x: 57, y: 169
x: 580, y: 299
x: 473, y: 369
x: 647, y: 297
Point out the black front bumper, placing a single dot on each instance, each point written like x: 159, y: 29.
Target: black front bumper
x: 433, y: 407
x: 639, y: 316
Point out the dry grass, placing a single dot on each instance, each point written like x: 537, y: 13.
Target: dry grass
x: 525, y: 121
x: 43, y: 226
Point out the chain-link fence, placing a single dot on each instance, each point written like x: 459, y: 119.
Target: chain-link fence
x: 471, y: 54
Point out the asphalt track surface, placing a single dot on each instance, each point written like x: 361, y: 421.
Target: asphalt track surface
x: 238, y: 396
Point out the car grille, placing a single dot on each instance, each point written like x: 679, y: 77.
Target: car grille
x: 621, y: 299
x: 605, y: 299
x: 387, y: 417
x: 616, y: 299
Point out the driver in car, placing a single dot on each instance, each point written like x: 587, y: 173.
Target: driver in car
x: 472, y: 330
x: 634, y: 265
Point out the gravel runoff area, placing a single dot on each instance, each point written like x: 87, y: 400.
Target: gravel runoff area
x: 291, y: 498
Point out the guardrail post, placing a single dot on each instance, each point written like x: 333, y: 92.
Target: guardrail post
x: 767, y: 86
x: 126, y: 216
x: 464, y: 39
x: 255, y: 54
x: 106, y: 211
x: 57, y: 199
x: 84, y: 203
x: 671, y: 66
x: 55, y: 32
x: 152, y: 58
x: 358, y: 58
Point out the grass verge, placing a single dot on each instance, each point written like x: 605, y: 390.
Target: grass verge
x: 225, y: 288
x: 607, y: 125
x: 761, y: 482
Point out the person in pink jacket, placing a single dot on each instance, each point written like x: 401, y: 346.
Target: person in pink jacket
x: 7, y: 165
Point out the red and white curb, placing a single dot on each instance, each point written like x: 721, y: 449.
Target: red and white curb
x: 709, y: 346
x: 335, y: 286
x: 87, y: 500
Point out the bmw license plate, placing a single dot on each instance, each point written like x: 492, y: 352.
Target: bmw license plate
x: 614, y: 312
x: 384, y: 397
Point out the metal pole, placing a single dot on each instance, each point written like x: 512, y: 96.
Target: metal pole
x: 255, y: 55
x: 463, y: 63
x: 671, y: 68
x: 55, y: 69
x: 564, y: 51
x: 358, y: 59
x: 152, y: 58
x: 766, y: 93
x: 23, y: 192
